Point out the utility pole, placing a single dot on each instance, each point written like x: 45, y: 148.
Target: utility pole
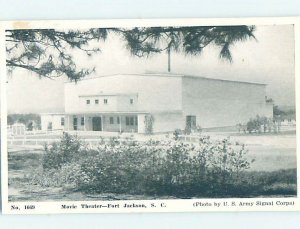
x: 169, y: 59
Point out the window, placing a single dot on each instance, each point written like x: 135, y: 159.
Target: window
x: 105, y: 101
x: 118, y: 120
x: 82, y: 121
x: 96, y: 101
x: 75, y: 123
x: 62, y: 121
x: 131, y: 101
x: 111, y: 120
x: 49, y: 126
x: 131, y: 121
x: 88, y: 101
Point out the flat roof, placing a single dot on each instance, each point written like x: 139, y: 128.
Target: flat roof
x: 52, y: 113
x: 123, y: 112
x: 172, y: 75
x: 113, y: 112
x: 108, y: 94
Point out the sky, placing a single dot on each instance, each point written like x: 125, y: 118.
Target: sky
x: 268, y: 59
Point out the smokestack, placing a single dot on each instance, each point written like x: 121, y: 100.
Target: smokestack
x: 169, y: 60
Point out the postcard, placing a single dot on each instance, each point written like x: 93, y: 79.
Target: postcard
x: 160, y: 115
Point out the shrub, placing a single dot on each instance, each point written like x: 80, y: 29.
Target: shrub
x: 67, y: 150
x: 199, y: 129
x: 155, y: 167
x: 115, y: 169
x: 164, y: 168
x: 67, y: 176
x: 176, y: 134
x: 261, y: 124
x: 204, y: 169
x: 149, y: 122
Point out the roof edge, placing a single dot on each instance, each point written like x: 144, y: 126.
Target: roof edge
x: 171, y: 75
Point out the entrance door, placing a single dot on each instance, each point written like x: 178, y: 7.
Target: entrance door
x: 97, y: 125
x: 190, y: 123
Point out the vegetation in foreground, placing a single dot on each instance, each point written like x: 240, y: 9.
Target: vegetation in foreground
x: 158, y: 169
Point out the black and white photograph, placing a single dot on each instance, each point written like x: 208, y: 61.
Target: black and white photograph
x: 153, y: 112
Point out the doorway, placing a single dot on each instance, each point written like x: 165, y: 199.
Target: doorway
x: 97, y: 124
x: 191, y: 123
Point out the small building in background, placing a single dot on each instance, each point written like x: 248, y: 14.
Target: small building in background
x: 16, y: 129
x: 53, y: 121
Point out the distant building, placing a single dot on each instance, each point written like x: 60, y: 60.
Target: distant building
x: 123, y: 103
x: 16, y: 129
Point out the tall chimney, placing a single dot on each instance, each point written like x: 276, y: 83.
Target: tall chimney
x: 169, y: 60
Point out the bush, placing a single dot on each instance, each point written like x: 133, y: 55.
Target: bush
x: 176, y: 134
x: 67, y: 150
x: 149, y: 122
x: 206, y: 169
x: 261, y: 124
x: 160, y: 168
x: 66, y: 176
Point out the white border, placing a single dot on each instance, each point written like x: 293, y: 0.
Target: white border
x: 168, y: 205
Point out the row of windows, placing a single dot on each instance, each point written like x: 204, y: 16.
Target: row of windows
x: 105, y: 101
x: 75, y: 122
x: 88, y: 101
x: 81, y: 121
x: 130, y: 121
x: 62, y: 121
x: 111, y: 120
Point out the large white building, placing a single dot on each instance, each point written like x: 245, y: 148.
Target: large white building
x: 124, y: 103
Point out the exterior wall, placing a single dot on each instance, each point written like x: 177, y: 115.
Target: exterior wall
x: 105, y: 122
x: 107, y: 126
x: 55, y: 119
x: 69, y: 122
x: 168, y: 122
x: 117, y: 102
x: 141, y: 124
x: 123, y: 102
x: 79, y: 126
x: 92, y: 107
x: 115, y: 127
x: 153, y: 93
x: 217, y: 103
x: 163, y: 122
x: 87, y: 122
x: 268, y: 110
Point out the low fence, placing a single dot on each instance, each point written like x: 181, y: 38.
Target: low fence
x: 44, y: 132
x: 94, y: 137
x: 46, y: 141
x: 25, y: 141
x: 190, y: 138
x: 12, y: 134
